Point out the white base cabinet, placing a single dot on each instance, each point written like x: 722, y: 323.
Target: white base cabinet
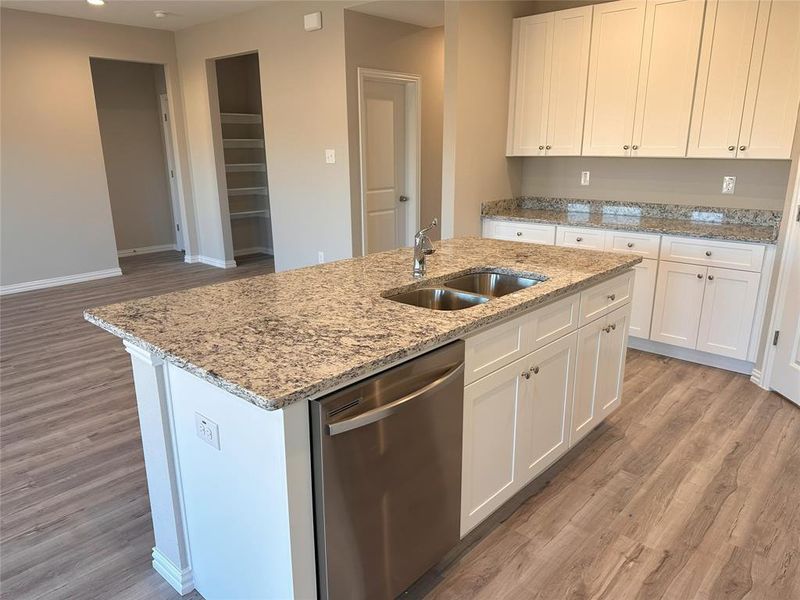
x: 519, y: 418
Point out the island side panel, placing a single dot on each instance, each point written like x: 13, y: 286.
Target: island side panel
x: 170, y: 557
x: 248, y: 505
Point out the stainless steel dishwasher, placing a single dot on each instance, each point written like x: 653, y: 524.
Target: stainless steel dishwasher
x: 387, y: 476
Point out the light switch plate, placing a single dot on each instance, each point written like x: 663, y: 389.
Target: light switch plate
x: 585, y: 177
x: 330, y: 156
x: 728, y: 184
x: 207, y: 430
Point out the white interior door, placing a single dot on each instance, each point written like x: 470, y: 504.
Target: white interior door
x: 383, y: 163
x: 785, y: 378
x: 166, y: 119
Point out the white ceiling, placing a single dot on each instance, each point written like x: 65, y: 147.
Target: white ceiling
x: 183, y: 13
x: 425, y: 13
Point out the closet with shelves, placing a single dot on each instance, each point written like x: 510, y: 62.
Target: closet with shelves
x: 244, y: 149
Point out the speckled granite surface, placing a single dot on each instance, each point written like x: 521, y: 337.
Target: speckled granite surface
x: 276, y: 339
x: 746, y: 225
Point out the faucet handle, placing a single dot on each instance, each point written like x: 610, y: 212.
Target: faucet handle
x: 424, y: 230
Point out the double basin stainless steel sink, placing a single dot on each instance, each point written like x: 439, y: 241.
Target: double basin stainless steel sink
x: 466, y: 290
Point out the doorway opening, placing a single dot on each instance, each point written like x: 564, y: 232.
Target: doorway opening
x: 389, y: 138
x: 135, y: 132
x: 241, y: 155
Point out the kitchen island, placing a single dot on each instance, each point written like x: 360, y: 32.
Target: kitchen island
x: 224, y: 374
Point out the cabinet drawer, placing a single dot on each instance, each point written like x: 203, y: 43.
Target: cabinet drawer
x: 733, y: 255
x: 494, y: 348
x: 520, y: 232
x: 578, y: 237
x: 633, y: 243
x: 551, y: 322
x: 605, y: 297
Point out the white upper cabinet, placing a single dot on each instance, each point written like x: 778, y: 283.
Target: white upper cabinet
x: 533, y: 43
x: 667, y: 74
x: 773, y: 85
x: 550, y: 54
x: 613, y: 77
x: 748, y: 83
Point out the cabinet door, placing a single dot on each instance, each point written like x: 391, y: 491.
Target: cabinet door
x: 611, y: 371
x: 570, y: 65
x: 644, y: 289
x: 613, y: 77
x: 533, y: 41
x: 488, y: 473
x: 729, y: 306
x: 678, y: 302
x: 544, y: 420
x: 587, y: 364
x: 722, y: 78
x: 773, y: 86
x: 666, y: 77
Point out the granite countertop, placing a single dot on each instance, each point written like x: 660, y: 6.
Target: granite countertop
x: 745, y: 225
x: 279, y: 338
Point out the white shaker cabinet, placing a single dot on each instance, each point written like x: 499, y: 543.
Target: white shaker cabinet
x: 773, y: 84
x: 729, y: 305
x: 748, y: 82
x: 644, y: 287
x: 491, y: 406
x: 550, y: 55
x: 666, y: 77
x: 678, y: 304
x: 614, y: 60
x: 599, y: 371
x: 543, y: 429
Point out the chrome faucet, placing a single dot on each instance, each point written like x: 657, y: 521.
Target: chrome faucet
x: 422, y: 248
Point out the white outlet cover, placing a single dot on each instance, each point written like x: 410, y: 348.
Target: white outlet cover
x: 207, y: 430
x: 728, y: 184
x: 585, y: 177
x: 330, y: 156
x: 320, y: 257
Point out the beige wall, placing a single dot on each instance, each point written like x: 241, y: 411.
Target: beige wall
x: 304, y: 108
x: 55, y: 218
x: 389, y: 45
x: 759, y: 183
x: 129, y: 114
x: 477, y: 68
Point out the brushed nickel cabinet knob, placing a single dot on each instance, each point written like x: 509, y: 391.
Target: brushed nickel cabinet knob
x: 535, y: 370
x: 541, y: 147
x: 742, y: 148
x: 731, y: 148
x: 519, y: 234
x: 708, y: 252
x: 548, y: 147
x: 699, y: 275
x: 625, y: 147
x: 525, y: 374
x: 634, y: 147
x: 578, y: 239
x: 630, y: 244
x: 711, y: 278
x: 612, y: 297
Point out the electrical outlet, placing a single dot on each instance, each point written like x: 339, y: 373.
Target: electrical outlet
x: 584, y: 177
x: 207, y: 430
x: 320, y: 257
x: 330, y: 156
x: 728, y: 184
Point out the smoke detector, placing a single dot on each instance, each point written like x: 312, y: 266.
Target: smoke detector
x: 160, y: 14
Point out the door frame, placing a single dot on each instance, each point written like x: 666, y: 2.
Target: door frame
x: 172, y: 173
x: 763, y: 378
x: 412, y: 85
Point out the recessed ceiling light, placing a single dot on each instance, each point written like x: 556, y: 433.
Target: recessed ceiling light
x: 96, y: 2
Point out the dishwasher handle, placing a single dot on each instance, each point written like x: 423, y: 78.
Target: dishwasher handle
x: 377, y: 414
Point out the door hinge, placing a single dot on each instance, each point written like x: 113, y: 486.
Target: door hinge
x: 171, y: 173
x: 178, y: 226
x: 775, y: 337
x: 798, y: 214
x: 165, y: 117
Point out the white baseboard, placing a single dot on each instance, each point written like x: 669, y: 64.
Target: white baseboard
x: 253, y: 250
x: 757, y: 377
x: 207, y: 260
x: 695, y: 356
x: 181, y: 580
x: 27, y: 286
x: 191, y: 258
x: 146, y: 250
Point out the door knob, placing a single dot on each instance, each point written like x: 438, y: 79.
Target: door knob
x: 403, y: 198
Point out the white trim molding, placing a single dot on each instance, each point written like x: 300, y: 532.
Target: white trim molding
x: 27, y: 286
x: 207, y: 260
x: 146, y: 250
x: 756, y: 377
x: 181, y: 580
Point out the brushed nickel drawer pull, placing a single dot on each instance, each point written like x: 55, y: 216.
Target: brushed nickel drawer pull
x: 519, y: 233
x: 612, y: 297
x: 708, y: 252
x: 535, y: 370
x: 630, y: 244
x: 578, y: 239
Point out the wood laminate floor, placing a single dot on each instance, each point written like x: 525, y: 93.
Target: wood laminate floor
x: 690, y: 490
